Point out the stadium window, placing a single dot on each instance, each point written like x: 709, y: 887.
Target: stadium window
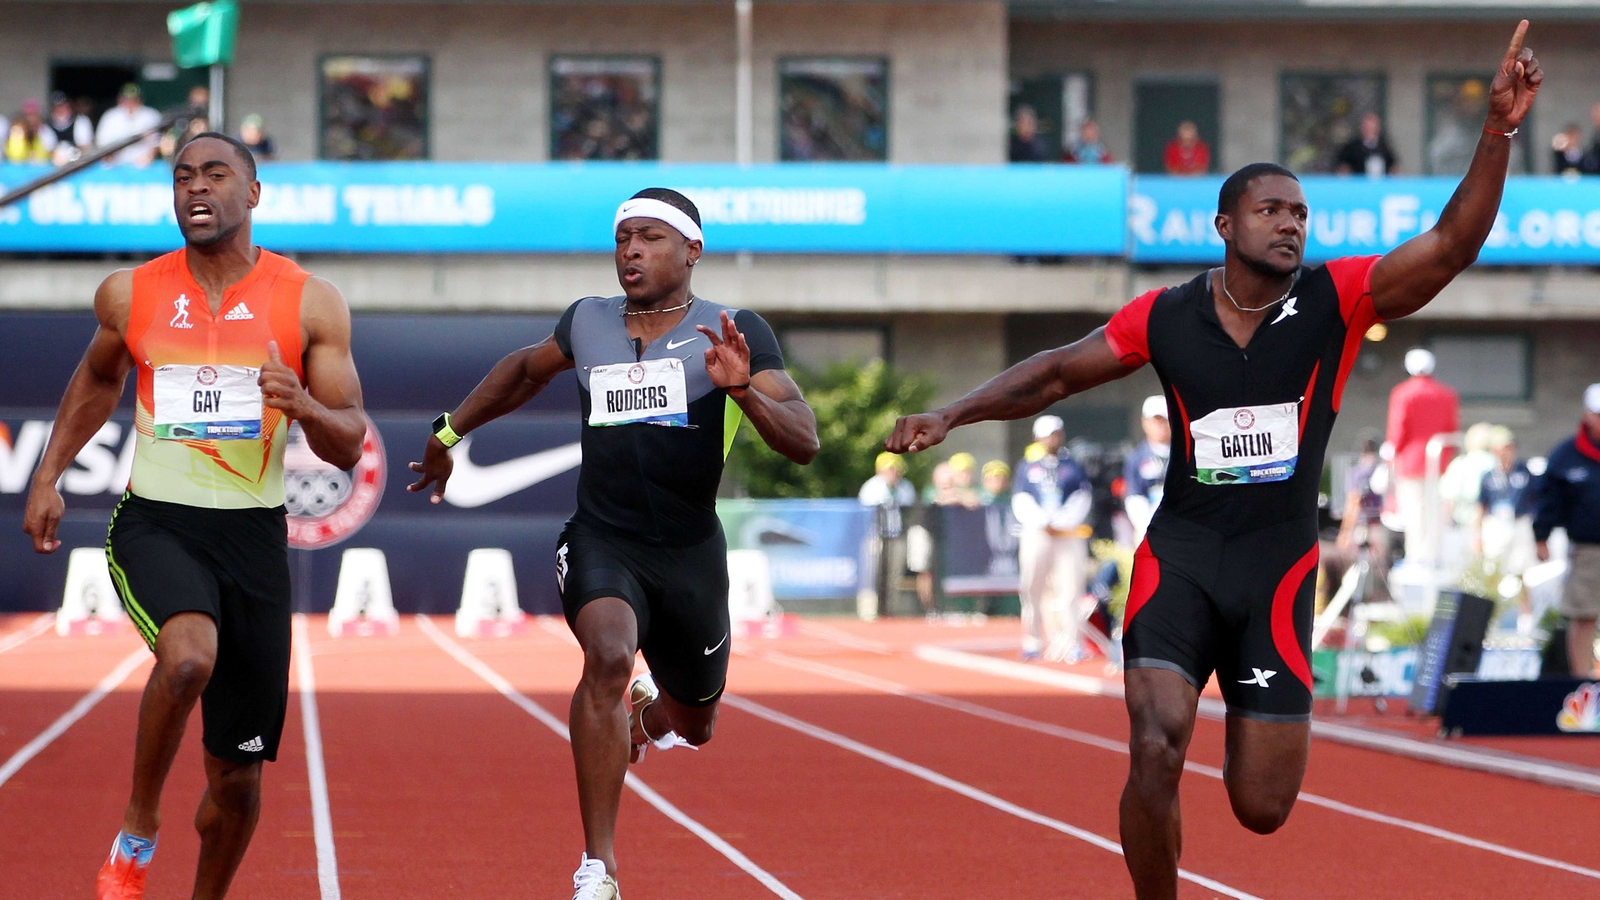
x: 1456, y: 108
x: 374, y: 107
x: 1485, y: 366
x: 605, y: 107
x: 1320, y: 112
x: 833, y: 109
x: 1061, y: 103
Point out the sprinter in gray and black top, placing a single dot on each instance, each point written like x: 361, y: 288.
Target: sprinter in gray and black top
x: 665, y: 379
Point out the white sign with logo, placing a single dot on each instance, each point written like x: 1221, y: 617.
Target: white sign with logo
x: 653, y: 392
x: 1247, y: 444
x: 217, y: 403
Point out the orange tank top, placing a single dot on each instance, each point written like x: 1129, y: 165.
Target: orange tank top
x: 204, y: 437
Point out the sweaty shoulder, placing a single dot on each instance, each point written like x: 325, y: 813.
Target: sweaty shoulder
x: 1352, y: 281
x: 113, y: 301
x: 765, y: 354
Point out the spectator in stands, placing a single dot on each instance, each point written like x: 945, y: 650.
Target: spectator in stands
x: 995, y: 484
x: 1569, y: 498
x: 129, y: 117
x: 938, y: 490
x: 1051, y: 498
x: 1369, y: 152
x: 1506, y: 503
x: 1027, y: 146
x: 1590, y: 165
x: 1458, y: 486
x: 888, y: 493
x: 73, y: 133
x: 1089, y: 149
x: 1144, y: 474
x: 1186, y: 153
x: 199, y: 101
x: 1419, y: 408
x: 1566, y: 150
x: 963, y: 478
x: 254, y: 135
x: 27, y: 140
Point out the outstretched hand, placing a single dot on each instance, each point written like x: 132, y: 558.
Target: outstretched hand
x: 919, y: 432
x: 728, y: 360
x: 1515, y: 85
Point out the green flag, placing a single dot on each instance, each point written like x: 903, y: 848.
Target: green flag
x: 204, y: 34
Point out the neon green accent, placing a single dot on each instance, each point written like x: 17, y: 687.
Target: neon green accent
x: 447, y: 435
x: 732, y: 416
x: 141, y: 619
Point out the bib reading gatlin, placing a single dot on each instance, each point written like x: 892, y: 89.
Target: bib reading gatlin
x: 1247, y: 444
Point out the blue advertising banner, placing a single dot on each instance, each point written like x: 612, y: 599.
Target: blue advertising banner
x: 815, y: 547
x: 568, y: 207
x: 1542, y: 221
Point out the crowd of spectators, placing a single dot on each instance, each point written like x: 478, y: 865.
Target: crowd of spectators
x: 60, y: 131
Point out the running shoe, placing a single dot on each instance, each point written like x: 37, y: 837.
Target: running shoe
x: 122, y: 877
x: 641, y: 693
x: 592, y: 882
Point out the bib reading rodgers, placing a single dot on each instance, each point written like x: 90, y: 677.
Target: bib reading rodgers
x: 217, y: 403
x: 649, y: 392
x: 1247, y: 444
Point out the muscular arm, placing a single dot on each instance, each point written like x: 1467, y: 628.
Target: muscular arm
x: 781, y: 415
x: 328, y: 408
x: 1025, y: 389
x: 1416, y: 271
x: 91, y: 397
x: 513, y: 381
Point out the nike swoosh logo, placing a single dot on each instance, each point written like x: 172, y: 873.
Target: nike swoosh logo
x: 711, y: 650
x: 673, y: 345
x: 471, y: 485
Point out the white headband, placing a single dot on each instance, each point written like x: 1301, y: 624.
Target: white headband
x: 655, y: 209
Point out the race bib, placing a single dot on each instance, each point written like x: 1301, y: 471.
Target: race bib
x: 214, y: 403
x: 651, y: 392
x: 1247, y: 445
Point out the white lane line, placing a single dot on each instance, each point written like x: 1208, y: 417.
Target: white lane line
x: 107, y: 684
x: 316, y: 771
x: 1103, y: 743
x: 499, y: 683
x: 1513, y: 765
x: 844, y: 638
x: 21, y: 636
x: 965, y: 790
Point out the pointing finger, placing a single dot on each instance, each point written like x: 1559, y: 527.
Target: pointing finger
x: 1516, y: 41
x: 710, y: 335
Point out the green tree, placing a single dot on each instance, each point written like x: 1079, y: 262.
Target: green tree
x: 856, y: 407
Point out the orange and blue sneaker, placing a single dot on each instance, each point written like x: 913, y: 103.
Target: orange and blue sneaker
x: 122, y: 877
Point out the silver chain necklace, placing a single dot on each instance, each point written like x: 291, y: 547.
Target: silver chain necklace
x: 666, y: 309
x: 1251, y: 309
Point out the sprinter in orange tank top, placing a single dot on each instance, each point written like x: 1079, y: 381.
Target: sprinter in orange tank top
x: 231, y: 344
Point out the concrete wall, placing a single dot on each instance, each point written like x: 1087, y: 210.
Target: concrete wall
x: 1247, y: 60
x: 490, y: 65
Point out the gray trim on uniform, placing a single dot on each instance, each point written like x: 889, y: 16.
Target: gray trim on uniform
x: 1150, y: 663
x: 1268, y: 717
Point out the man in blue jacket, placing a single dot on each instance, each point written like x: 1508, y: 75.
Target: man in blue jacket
x: 1569, y: 497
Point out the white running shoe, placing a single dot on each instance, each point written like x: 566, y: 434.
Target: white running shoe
x: 592, y: 882
x: 641, y: 693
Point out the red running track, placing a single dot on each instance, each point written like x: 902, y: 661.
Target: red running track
x: 843, y: 767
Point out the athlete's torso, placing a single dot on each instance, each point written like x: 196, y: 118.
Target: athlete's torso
x: 204, y: 437
x: 655, y: 429
x: 1250, y: 424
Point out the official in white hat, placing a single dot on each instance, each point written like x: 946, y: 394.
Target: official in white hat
x: 1144, y: 474
x: 1419, y: 408
x: 1051, y: 497
x: 1569, y: 498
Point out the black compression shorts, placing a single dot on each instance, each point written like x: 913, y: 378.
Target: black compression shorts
x: 1239, y: 606
x: 679, y: 597
x: 232, y: 565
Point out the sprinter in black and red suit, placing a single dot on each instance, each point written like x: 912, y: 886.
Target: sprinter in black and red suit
x: 1253, y: 357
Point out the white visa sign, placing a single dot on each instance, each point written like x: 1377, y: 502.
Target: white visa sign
x: 99, y: 468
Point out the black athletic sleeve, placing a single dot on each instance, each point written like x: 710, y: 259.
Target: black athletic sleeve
x: 563, y: 332
x: 764, y: 351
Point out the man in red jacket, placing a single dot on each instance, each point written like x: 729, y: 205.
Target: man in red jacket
x: 1419, y: 408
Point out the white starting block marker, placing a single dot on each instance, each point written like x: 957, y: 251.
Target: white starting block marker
x: 751, y: 607
x: 90, y: 604
x: 489, y: 606
x: 362, y: 604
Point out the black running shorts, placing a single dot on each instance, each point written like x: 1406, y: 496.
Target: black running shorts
x: 232, y: 565
x: 679, y: 596
x: 1238, y: 606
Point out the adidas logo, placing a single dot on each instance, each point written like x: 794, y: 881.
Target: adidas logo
x: 254, y: 745
x: 239, y: 314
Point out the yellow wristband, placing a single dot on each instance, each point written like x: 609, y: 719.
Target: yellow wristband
x: 446, y: 434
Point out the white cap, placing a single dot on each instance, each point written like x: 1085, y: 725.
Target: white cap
x: 1591, y: 399
x: 1419, y: 361
x: 1155, y: 406
x: 1044, y: 426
